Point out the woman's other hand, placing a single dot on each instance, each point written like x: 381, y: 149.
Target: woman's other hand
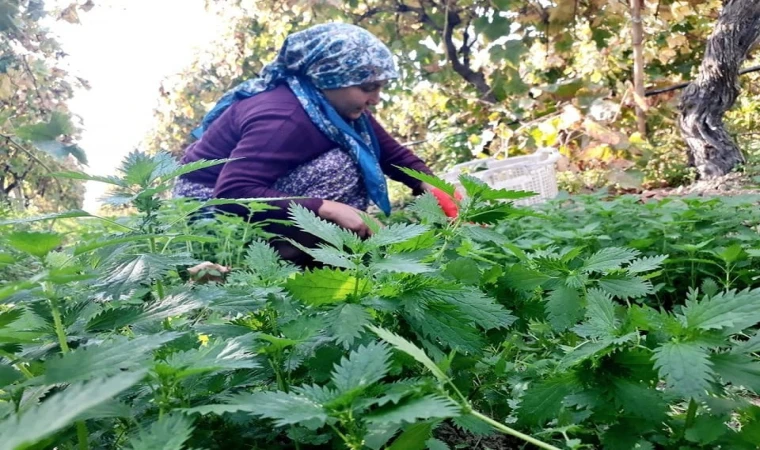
x: 346, y: 217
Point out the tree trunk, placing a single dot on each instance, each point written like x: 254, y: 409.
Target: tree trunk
x: 637, y: 30
x: 714, y: 91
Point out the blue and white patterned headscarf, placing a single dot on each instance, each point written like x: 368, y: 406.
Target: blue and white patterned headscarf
x: 327, y: 56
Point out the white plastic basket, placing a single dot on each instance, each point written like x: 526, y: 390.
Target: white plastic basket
x: 536, y: 173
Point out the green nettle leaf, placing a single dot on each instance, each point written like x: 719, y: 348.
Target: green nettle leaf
x: 475, y: 306
x: 140, y: 269
x: 52, y: 216
x: 364, y: 366
x: 35, y: 243
x: 399, y: 264
x: 641, y: 401
x: 414, y: 437
x: 310, y: 223
x: 477, y: 188
x: 410, y: 349
x: 328, y: 255
x: 564, y: 308
x: 427, y: 208
x: 610, y: 258
x: 8, y: 375
x: 430, y: 179
x: 324, y: 286
x: 600, y: 314
x: 215, y: 356
x: 625, y: 287
x: 170, y: 432
x: 729, y: 310
x: 646, y: 264
x: 396, y: 234
x: 114, y: 318
x: 543, y: 400
x: 263, y: 260
x: 103, y: 359
x: 173, y: 305
x: 685, y: 367
x: 522, y: 279
x: 751, y: 345
x: 446, y: 326
x: 706, y: 430
x: 346, y: 323
x: 10, y: 316
x: 287, y: 409
x: 191, y: 167
x: 61, y: 409
x: 739, y: 370
x: 430, y: 407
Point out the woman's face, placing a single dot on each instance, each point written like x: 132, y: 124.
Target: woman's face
x: 352, y: 101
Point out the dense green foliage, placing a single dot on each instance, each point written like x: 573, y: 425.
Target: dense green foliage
x: 584, y: 324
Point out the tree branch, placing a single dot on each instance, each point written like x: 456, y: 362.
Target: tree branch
x: 683, y: 85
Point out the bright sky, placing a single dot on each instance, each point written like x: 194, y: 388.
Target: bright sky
x: 124, y: 48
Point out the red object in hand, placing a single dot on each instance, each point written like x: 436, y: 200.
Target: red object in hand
x: 447, y: 203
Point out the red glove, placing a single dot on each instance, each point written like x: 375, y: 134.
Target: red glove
x: 447, y: 203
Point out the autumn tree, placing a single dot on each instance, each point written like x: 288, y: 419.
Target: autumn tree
x: 38, y: 134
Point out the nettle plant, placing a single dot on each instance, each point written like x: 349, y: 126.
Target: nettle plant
x: 431, y: 323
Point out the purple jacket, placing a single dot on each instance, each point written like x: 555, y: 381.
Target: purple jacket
x: 272, y: 135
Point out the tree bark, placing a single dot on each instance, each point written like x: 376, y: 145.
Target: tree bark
x: 714, y: 91
x: 637, y: 31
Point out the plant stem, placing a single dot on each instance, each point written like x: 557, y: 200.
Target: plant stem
x: 82, y: 435
x: 59, y: 331
x: 691, y: 414
x: 17, y: 363
x: 506, y: 430
x: 159, y: 284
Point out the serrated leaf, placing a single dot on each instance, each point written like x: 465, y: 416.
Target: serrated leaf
x: 396, y: 234
x: 287, y: 409
x: 610, y: 258
x: 739, y: 370
x: 641, y: 401
x: 435, y: 444
x: 330, y: 256
x: 61, y: 409
x: 429, y: 179
x: 480, y: 234
x: 104, y: 359
x: 729, y: 310
x: 430, y: 407
x: 323, y: 286
x: 475, y: 306
x: 139, y: 269
x: 625, y: 287
x: 477, y: 188
x: 8, y: 375
x: 399, y: 264
x: 413, y: 437
x: 446, y: 326
x: 646, y: 264
x: 215, y: 356
x: 53, y: 216
x: 472, y: 424
x: 542, y: 401
x: 310, y: 223
x: 186, y: 168
x: 751, y: 345
x: 34, y: 243
x: 427, y: 208
x: 685, y: 367
x: 364, y: 366
x: 564, y: 308
x: 706, y: 429
x: 114, y: 318
x: 600, y: 314
x: 173, y: 305
x: 167, y: 433
x: 346, y: 322
x: 522, y: 279
x: 410, y: 349
x: 74, y: 175
x: 10, y: 316
x: 265, y: 262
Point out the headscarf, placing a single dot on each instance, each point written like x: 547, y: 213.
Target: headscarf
x: 327, y: 56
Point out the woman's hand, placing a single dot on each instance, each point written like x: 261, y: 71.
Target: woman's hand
x: 206, y: 272
x: 345, y: 216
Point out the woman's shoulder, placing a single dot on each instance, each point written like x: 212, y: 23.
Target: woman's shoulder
x: 278, y: 99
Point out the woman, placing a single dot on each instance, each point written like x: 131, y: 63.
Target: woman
x: 303, y: 129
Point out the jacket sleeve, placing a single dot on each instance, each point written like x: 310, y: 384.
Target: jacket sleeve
x: 270, y: 145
